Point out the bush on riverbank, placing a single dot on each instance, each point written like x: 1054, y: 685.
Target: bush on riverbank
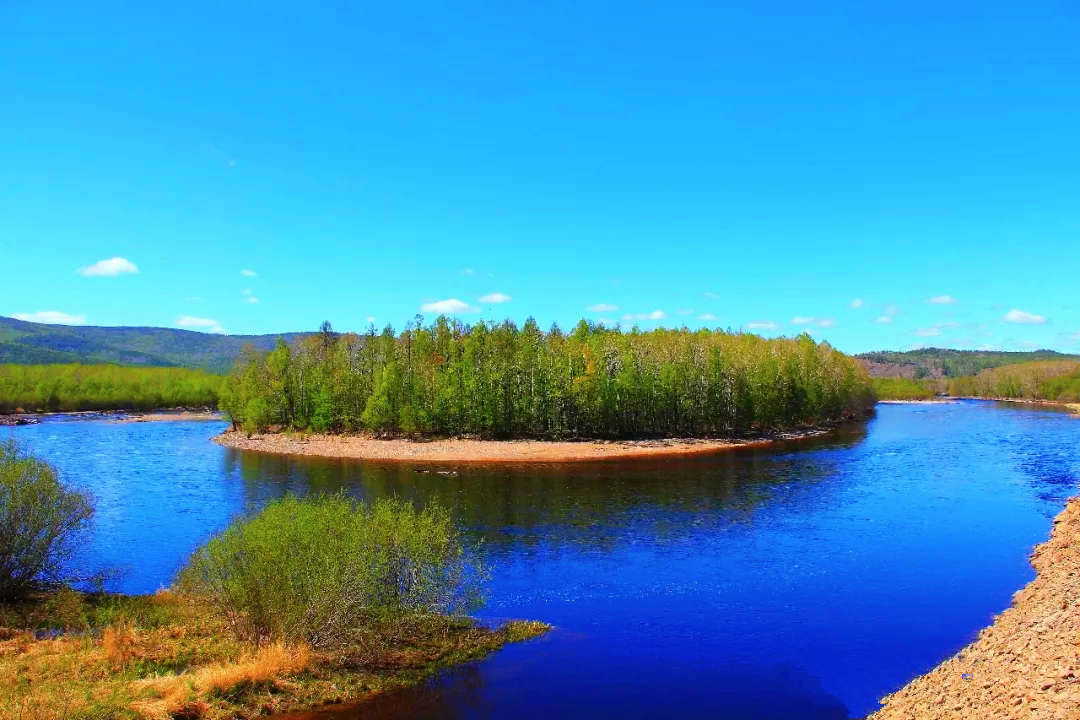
x: 69, y: 388
x: 42, y: 525
x: 499, y: 380
x: 1054, y: 381
x: 317, y: 569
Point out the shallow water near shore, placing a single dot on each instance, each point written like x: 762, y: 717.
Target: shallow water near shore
x: 801, y: 581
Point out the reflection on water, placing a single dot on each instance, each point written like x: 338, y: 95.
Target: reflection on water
x: 801, y: 582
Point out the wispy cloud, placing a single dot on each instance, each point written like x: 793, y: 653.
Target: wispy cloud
x: 927, y: 332
x: 819, y: 322
x: 467, y: 272
x: 709, y: 317
x: 856, y: 303
x: 884, y: 320
x: 193, y: 298
x: 450, y: 306
x: 109, y: 268
x: 654, y: 315
x: 51, y: 317
x: 187, y: 321
x: 370, y: 318
x: 709, y: 295
x: 942, y: 300
x: 496, y: 297
x: 251, y: 299
x: 685, y: 311
x: 762, y: 325
x: 1023, y: 318
x: 221, y: 155
x: 602, y: 307
x: 248, y: 273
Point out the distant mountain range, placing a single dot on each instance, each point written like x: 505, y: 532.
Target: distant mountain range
x: 937, y: 363
x: 35, y: 343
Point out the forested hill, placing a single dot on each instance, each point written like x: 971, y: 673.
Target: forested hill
x: 34, y: 343
x: 943, y: 363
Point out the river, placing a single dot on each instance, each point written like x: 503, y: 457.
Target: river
x: 802, y: 581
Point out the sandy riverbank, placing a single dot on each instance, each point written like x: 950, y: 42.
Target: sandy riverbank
x: 121, y: 416
x: 1027, y: 664
x: 485, y: 451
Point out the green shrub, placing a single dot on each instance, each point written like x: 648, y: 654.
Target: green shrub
x: 902, y: 389
x: 316, y: 569
x: 42, y: 525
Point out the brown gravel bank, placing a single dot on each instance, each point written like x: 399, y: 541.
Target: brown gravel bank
x: 483, y: 451
x: 1025, y: 665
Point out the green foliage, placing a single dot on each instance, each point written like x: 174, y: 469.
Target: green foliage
x: 1057, y: 381
x: 902, y: 389
x: 42, y: 524
x: 318, y: 569
x: 498, y: 380
x: 56, y: 388
x: 938, y: 362
x: 30, y: 343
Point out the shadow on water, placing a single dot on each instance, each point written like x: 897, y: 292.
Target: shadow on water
x: 568, y: 504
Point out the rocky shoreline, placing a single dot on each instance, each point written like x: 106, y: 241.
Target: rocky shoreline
x: 1027, y: 664
x: 458, y: 450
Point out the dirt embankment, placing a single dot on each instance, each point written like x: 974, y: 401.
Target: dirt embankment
x: 1025, y: 665
x: 483, y: 451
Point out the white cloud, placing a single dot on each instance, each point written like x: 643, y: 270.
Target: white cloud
x: 856, y: 303
x: 685, y: 311
x: 820, y: 322
x: 247, y: 291
x: 1028, y: 344
x: 193, y: 298
x: 248, y: 273
x: 708, y: 317
x: 927, y: 332
x: 51, y: 317
x: 370, y: 318
x: 654, y: 315
x: 451, y: 306
x: 495, y: 298
x: 884, y: 320
x: 892, y: 310
x: 467, y: 271
x: 602, y: 307
x: 1023, y: 318
x: 709, y: 295
x: 251, y: 299
x: 109, y: 268
x: 762, y: 325
x: 186, y: 321
x: 942, y: 300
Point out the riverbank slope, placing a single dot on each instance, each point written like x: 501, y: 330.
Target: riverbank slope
x: 1027, y: 664
x: 457, y: 450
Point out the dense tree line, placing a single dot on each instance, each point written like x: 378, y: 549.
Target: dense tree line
x: 903, y: 389
x: 1056, y: 381
x: 499, y: 380
x: 947, y: 363
x: 57, y: 388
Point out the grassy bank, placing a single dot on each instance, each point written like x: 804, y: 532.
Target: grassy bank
x: 71, y: 388
x: 167, y: 655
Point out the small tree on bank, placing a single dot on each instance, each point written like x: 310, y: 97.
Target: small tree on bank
x: 42, y: 524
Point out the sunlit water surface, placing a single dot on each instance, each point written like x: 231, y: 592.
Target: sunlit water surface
x: 801, y: 582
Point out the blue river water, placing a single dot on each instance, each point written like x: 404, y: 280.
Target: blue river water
x: 802, y: 581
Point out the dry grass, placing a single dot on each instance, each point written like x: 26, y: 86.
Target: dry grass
x: 166, y: 656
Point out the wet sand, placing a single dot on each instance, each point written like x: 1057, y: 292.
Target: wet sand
x: 1027, y: 664
x: 485, y: 451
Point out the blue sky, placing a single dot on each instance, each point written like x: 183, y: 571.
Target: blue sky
x: 883, y: 176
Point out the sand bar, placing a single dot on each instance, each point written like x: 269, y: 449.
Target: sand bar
x: 486, y: 451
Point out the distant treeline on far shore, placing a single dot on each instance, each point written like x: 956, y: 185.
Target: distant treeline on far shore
x: 501, y: 380
x: 67, y: 388
x: 1051, y: 381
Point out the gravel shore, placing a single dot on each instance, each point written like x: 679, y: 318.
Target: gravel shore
x: 482, y: 451
x: 1025, y: 665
